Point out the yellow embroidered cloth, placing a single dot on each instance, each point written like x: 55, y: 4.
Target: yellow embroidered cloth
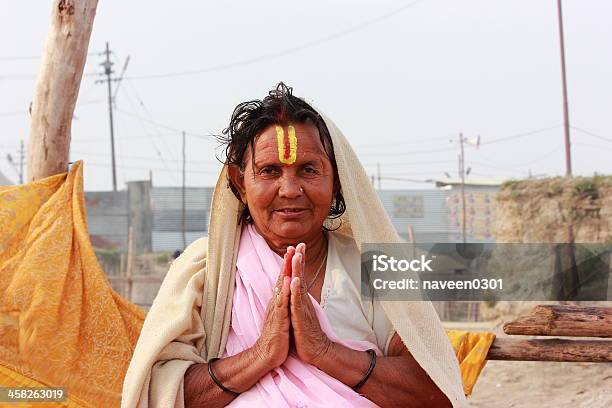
x: 61, y: 323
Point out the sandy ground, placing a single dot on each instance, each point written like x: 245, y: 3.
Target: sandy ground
x: 544, y: 384
x: 530, y: 384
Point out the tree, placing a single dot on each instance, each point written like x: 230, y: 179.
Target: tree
x: 57, y: 87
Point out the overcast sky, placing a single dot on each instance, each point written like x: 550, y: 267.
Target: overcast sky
x: 400, y: 78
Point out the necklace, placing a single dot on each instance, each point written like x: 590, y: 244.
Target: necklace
x: 316, y: 275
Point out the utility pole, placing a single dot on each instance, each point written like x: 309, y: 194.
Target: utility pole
x: 462, y: 175
x: 378, y: 172
x: 475, y: 142
x: 108, y: 71
x: 184, y: 191
x: 21, y: 159
x: 19, y: 170
x: 566, y: 127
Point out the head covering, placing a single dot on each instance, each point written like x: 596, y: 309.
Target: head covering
x: 174, y: 335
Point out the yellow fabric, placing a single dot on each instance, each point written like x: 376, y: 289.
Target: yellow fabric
x: 61, y: 324
x: 471, y: 350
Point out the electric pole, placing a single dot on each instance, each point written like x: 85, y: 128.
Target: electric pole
x: 183, y: 206
x: 18, y: 170
x: 566, y: 127
x: 108, y: 71
x: 462, y: 173
x: 378, y: 174
x: 21, y: 159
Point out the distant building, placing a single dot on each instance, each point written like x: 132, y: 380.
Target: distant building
x: 420, y: 213
x: 480, y: 208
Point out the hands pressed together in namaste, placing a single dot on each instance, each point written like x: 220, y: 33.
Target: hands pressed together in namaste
x: 291, y: 324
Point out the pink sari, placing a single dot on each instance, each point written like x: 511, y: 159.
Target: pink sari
x: 295, y: 383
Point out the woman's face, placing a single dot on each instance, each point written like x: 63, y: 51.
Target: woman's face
x: 287, y: 201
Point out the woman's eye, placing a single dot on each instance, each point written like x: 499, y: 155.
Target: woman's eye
x: 310, y: 170
x: 267, y: 170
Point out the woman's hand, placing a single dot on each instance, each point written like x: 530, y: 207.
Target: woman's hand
x: 273, y: 344
x: 311, y: 343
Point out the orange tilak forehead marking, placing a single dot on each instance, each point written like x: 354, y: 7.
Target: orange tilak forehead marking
x: 286, y: 145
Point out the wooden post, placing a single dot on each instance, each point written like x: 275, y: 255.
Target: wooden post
x: 57, y: 87
x: 586, y: 351
x: 130, y: 264
x: 122, y: 274
x: 558, y: 320
x: 140, y: 215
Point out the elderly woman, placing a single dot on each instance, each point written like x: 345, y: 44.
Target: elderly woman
x: 268, y: 311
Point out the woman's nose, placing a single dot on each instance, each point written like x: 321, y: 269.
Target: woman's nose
x: 289, y: 187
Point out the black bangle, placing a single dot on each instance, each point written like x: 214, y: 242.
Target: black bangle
x: 216, y: 380
x: 370, y: 370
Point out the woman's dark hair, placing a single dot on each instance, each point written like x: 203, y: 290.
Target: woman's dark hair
x: 251, y: 118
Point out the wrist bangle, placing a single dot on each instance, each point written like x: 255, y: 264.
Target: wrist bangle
x: 216, y: 380
x: 369, y: 372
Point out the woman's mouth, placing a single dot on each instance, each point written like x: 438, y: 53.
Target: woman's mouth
x: 289, y: 213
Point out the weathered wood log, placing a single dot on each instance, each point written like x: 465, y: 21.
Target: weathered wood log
x: 561, y: 320
x: 595, y: 351
x: 57, y: 87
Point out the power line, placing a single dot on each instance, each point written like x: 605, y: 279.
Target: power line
x: 34, y: 57
x: 145, y: 158
x: 21, y: 58
x: 394, y: 154
x: 487, y: 176
x: 519, y: 135
x: 284, y: 52
x: 148, y: 113
x: 586, y: 132
x: 593, y: 146
x: 490, y: 166
x: 408, y: 163
x: 549, y: 153
x: 412, y: 173
x: 445, y: 149
x: 164, y: 126
x: 407, y: 142
x: 22, y: 112
x: 410, y: 180
x: 19, y: 77
x: 105, y: 139
x: 152, y: 168
x: 157, y: 150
